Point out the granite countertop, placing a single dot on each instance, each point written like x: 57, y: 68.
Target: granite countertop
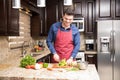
x: 18, y: 73
x: 12, y: 71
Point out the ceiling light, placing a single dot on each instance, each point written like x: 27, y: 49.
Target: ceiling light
x: 41, y: 3
x: 16, y: 4
x: 67, y: 2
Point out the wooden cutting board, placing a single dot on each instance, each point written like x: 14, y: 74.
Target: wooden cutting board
x: 57, y: 66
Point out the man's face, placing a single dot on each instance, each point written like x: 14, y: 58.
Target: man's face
x: 67, y: 20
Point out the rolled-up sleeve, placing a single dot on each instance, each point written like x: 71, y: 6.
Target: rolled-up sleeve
x: 50, y: 40
x: 76, y: 42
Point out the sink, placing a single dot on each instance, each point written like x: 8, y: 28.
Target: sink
x: 34, y: 55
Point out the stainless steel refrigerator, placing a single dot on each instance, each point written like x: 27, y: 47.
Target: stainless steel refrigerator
x: 108, y: 48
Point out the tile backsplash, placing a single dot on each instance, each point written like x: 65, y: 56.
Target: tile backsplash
x: 5, y: 53
x: 82, y: 41
x: 3, y: 48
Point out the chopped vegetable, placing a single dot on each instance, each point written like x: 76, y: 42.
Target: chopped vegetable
x: 63, y: 62
x: 72, y: 69
x: 45, y: 65
x: 30, y: 67
x: 27, y: 60
x: 50, y: 69
x: 37, y: 66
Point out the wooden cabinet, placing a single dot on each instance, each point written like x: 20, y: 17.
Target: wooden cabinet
x: 108, y: 9
x: 31, y: 5
x: 86, y: 9
x: 89, y: 17
x: 83, y: 8
x: 51, y: 13
x: 79, y: 7
x: 91, y: 58
x: 35, y: 24
x: 38, y: 25
x: 9, y: 19
x: 117, y: 9
x: 43, y: 29
x: 36, y: 18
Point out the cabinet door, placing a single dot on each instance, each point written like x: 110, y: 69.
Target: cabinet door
x: 52, y: 13
x: 91, y: 58
x: 79, y: 7
x: 35, y: 25
x: 117, y: 9
x: 9, y: 19
x: 3, y: 17
x: 43, y: 29
x: 13, y: 20
x: 90, y: 17
x: 60, y: 9
x: 104, y: 9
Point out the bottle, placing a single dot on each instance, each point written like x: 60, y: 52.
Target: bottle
x: 40, y: 44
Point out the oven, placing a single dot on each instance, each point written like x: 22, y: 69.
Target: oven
x: 79, y: 23
x: 80, y: 56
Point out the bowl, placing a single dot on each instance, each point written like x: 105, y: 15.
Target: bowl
x: 82, y: 65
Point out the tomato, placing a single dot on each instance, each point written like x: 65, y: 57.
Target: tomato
x: 32, y: 66
x: 28, y: 67
x: 39, y: 48
x: 40, y: 62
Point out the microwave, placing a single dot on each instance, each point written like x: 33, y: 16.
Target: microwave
x: 79, y: 23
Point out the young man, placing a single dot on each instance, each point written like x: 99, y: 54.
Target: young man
x: 64, y: 38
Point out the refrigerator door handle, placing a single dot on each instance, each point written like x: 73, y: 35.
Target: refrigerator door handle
x: 111, y: 46
x: 114, y: 46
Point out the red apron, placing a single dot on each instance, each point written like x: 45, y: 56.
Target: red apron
x: 63, y: 44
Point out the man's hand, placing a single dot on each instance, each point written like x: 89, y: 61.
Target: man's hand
x: 69, y: 61
x: 56, y: 57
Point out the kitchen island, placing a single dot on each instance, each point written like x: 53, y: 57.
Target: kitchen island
x: 18, y: 73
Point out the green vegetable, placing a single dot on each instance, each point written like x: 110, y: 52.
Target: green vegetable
x: 45, y: 65
x: 72, y: 69
x: 63, y: 62
x: 27, y: 60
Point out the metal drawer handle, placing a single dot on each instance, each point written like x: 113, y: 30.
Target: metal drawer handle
x: 90, y: 55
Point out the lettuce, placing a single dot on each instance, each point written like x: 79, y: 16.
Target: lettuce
x: 27, y: 60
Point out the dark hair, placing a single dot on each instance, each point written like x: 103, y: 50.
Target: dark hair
x: 69, y: 11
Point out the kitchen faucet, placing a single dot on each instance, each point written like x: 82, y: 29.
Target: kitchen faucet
x: 24, y: 51
x: 25, y: 45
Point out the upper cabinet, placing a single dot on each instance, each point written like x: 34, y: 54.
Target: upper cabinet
x: 86, y: 9
x: 108, y: 9
x: 51, y: 13
x: 35, y: 24
x: 9, y: 19
x: 36, y: 18
x: 79, y: 7
x: 89, y: 17
x: 117, y: 9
